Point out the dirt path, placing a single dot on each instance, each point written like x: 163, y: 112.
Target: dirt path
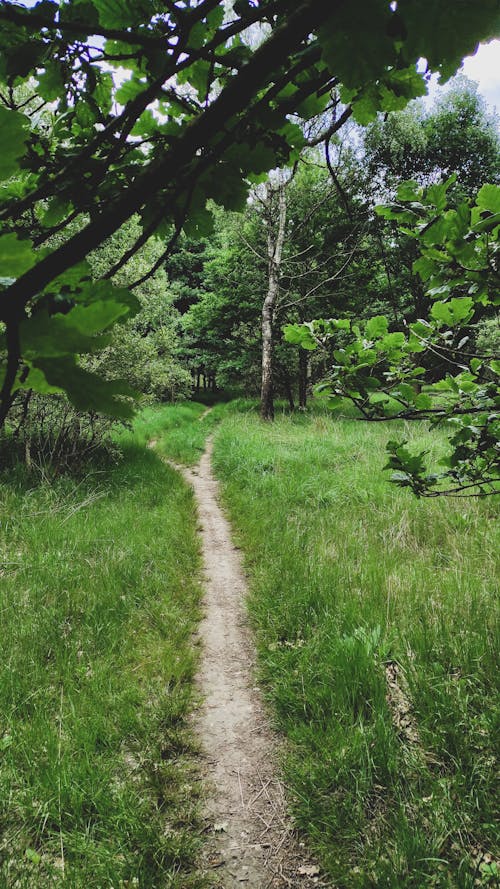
x: 254, y: 843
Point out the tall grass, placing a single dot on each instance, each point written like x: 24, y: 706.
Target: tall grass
x: 177, y: 431
x: 99, y: 594
x: 377, y: 628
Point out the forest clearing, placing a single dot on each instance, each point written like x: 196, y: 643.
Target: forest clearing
x: 249, y: 444
x: 376, y: 658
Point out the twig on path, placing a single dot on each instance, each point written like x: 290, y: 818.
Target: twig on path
x: 241, y: 789
x: 261, y: 791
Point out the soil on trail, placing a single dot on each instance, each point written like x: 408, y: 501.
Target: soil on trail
x: 254, y: 844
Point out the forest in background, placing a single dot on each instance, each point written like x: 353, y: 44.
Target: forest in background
x: 198, y: 327
x: 132, y: 136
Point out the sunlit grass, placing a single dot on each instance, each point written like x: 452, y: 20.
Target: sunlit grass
x: 350, y: 575
x: 99, y: 599
x: 177, y: 431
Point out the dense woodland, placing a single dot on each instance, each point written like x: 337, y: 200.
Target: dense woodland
x: 250, y: 206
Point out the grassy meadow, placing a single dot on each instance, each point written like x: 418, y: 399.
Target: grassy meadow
x: 375, y: 617
x: 99, y: 596
x: 376, y: 624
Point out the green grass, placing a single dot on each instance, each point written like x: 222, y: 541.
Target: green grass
x: 350, y: 575
x: 99, y: 597
x: 180, y: 431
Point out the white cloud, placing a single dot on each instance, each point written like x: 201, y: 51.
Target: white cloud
x: 484, y: 67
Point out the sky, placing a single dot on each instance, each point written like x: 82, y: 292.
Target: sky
x: 484, y: 68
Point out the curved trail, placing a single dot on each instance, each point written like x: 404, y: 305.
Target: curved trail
x: 245, y: 809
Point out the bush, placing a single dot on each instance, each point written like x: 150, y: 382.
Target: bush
x: 51, y: 436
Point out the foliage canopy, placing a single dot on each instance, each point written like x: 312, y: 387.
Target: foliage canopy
x: 378, y: 370
x: 202, y: 115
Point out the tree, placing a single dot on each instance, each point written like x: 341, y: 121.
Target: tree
x: 376, y: 369
x: 457, y: 135
x: 274, y: 203
x: 200, y: 117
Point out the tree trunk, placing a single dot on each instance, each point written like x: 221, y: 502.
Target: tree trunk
x: 267, y: 390
x: 303, y: 368
x: 289, y: 393
x: 275, y: 240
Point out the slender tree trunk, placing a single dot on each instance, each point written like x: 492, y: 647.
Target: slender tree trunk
x: 289, y: 392
x: 275, y: 240
x: 267, y: 390
x: 303, y: 368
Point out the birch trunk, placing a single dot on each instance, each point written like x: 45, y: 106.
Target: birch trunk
x: 275, y: 241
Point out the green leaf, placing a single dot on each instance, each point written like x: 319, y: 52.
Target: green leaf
x: 341, y: 323
x: 453, y: 312
x: 488, y: 198
x: 52, y: 335
x: 36, y: 380
x: 370, y: 35
x: 83, y: 11
x: 256, y: 159
x: 51, y: 84
x: 393, y: 341
x: 33, y: 856
x: 437, y: 195
x: 16, y: 256
x: 71, y: 278
x: 444, y: 31
x: 85, y: 390
x: 129, y: 90
x: 436, y: 232
x: 376, y: 327
x: 366, y: 105
x: 423, y: 402
x: 227, y: 188
x: 200, y: 221
x: 487, y: 224
x: 407, y: 392
x: 102, y: 291
x: 424, y: 267
x: 335, y: 401
x: 57, y: 210
x: 198, y: 76
x: 409, y: 191
x: 146, y: 125
x: 123, y: 13
x: 97, y: 317
x: 13, y: 137
x: 300, y: 335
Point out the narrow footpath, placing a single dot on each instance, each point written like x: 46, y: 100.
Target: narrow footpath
x: 254, y: 844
